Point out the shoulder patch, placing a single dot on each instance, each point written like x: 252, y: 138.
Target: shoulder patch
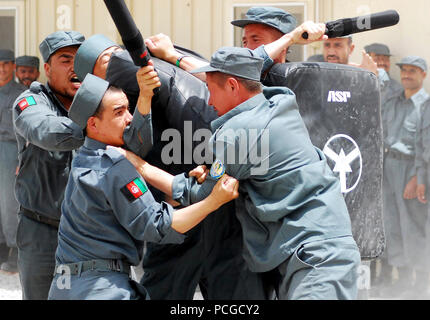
x: 217, y: 170
x: 25, y: 103
x: 134, y: 190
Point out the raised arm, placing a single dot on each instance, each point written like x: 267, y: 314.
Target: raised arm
x: 138, y: 136
x: 162, y: 46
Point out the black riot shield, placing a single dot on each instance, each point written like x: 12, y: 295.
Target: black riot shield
x: 342, y: 111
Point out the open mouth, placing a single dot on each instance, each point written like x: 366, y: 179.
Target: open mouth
x: 76, y: 83
x: 75, y: 80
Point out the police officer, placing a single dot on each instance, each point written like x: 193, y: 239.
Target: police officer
x: 46, y: 138
x: 404, y: 215
x: 380, y: 53
x: 208, y: 257
x: 339, y: 50
x: 94, y: 56
x: 296, y: 228
x: 212, y: 251
x: 108, y: 211
x: 420, y: 289
x: 27, y: 69
x: 263, y: 25
x: 9, y: 91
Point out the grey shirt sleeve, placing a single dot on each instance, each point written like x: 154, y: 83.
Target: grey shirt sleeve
x: 138, y: 136
x: 420, y: 164
x: 143, y: 217
x: 40, y: 125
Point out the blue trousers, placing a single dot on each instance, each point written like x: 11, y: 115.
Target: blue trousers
x: 95, y: 285
x: 37, y: 243
x: 8, y: 203
x: 404, y: 220
x: 319, y: 270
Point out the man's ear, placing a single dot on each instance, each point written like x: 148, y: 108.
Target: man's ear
x: 351, y: 48
x: 47, y: 68
x: 233, y: 84
x: 92, y: 124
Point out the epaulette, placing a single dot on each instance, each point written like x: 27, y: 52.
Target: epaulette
x: 113, y: 155
x: 36, y: 87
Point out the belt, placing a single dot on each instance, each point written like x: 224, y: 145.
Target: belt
x: 37, y: 217
x: 398, y: 155
x: 100, y: 265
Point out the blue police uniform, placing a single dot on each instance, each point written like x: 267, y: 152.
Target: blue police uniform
x: 295, y: 222
x: 8, y: 164
x: 404, y: 219
x: 104, y: 219
x: 422, y: 168
x: 46, y: 139
x: 389, y: 87
x: 211, y: 254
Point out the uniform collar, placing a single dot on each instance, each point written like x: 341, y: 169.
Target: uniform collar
x: 56, y: 100
x: 8, y: 85
x: 245, y: 106
x: 94, y: 144
x: 419, y: 97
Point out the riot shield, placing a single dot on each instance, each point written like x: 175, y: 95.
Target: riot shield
x: 342, y: 111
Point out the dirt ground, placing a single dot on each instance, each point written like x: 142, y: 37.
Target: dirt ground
x: 10, y: 287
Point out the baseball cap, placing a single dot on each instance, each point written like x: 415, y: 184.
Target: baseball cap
x: 87, y: 99
x: 378, y: 48
x: 88, y: 53
x: 28, y: 61
x: 414, y: 61
x: 57, y: 40
x: 270, y: 16
x: 7, y: 55
x: 235, y: 61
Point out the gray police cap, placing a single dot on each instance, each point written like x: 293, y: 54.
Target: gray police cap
x: 89, y: 52
x: 28, y: 61
x: 235, y: 61
x: 57, y: 40
x: 87, y: 99
x: 316, y: 58
x: 414, y: 61
x: 7, y: 55
x: 378, y: 48
x: 270, y: 16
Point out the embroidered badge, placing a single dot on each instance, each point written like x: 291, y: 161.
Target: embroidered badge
x: 217, y: 170
x: 134, y: 190
x: 26, y: 102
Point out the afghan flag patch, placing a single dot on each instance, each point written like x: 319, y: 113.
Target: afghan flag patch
x: 134, y: 190
x: 25, y: 103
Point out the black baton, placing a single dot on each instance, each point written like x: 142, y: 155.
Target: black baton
x: 345, y: 27
x: 130, y: 34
